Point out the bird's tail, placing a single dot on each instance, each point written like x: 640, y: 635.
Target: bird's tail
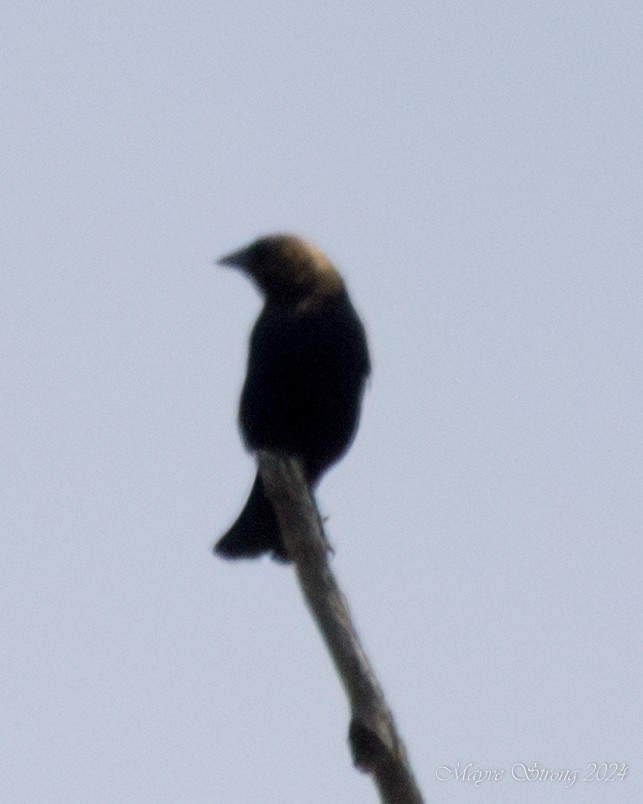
x: 256, y: 530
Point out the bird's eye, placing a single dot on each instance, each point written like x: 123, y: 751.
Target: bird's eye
x: 261, y: 251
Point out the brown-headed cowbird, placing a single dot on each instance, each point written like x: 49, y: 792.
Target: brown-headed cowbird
x: 307, y: 367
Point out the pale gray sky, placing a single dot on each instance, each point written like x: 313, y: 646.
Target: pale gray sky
x: 475, y: 171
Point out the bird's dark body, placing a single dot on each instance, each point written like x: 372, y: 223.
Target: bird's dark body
x: 304, y: 384
x: 307, y: 365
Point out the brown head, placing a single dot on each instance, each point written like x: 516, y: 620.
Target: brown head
x: 287, y: 268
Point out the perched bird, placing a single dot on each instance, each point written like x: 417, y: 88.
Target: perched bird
x: 307, y: 366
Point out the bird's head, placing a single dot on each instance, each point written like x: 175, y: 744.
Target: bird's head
x: 286, y: 268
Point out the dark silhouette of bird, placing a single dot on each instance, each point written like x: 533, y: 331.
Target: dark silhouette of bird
x: 307, y: 366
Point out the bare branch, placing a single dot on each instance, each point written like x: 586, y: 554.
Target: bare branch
x: 375, y: 743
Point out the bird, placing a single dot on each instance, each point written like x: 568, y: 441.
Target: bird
x: 308, y: 363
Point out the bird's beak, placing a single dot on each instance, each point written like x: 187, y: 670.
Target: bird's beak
x: 236, y: 259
